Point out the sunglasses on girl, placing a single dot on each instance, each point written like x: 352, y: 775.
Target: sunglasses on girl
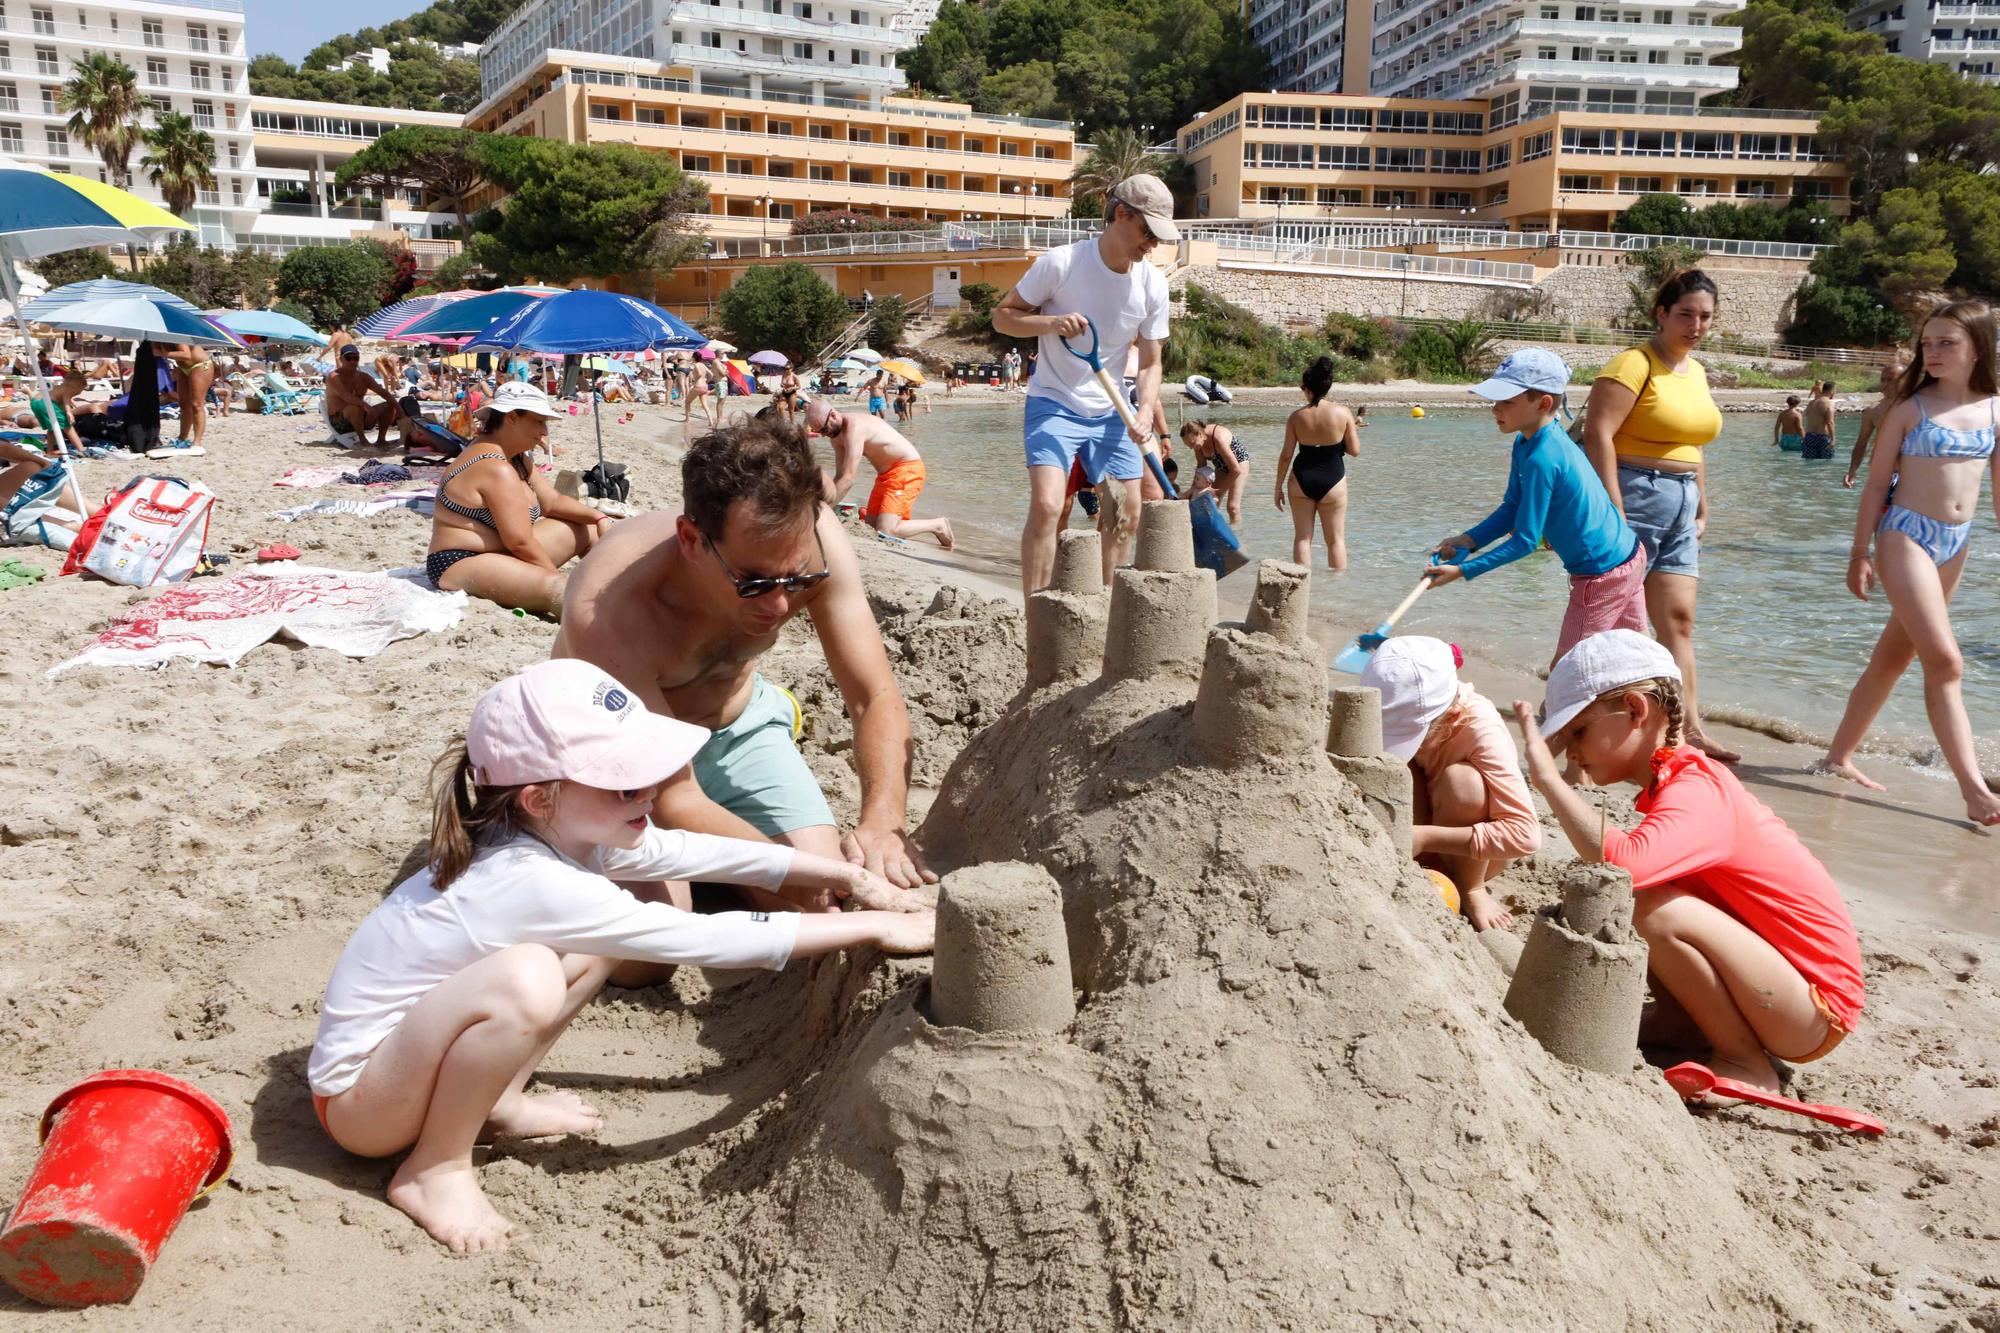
x: 759, y: 586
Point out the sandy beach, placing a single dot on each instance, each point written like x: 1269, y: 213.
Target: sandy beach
x: 187, y: 851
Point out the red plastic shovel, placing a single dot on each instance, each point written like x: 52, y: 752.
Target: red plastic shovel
x: 1691, y: 1080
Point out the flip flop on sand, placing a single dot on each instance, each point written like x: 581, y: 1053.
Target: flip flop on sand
x: 279, y: 552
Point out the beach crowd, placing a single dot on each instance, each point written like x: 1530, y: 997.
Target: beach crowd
x: 639, y: 800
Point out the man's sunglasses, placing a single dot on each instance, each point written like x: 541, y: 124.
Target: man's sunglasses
x: 760, y: 586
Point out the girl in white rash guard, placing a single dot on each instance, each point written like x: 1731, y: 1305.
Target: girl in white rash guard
x: 454, y: 989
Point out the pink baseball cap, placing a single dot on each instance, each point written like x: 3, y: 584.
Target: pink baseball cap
x: 567, y: 719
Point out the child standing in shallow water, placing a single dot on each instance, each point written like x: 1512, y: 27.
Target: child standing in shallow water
x: 1749, y: 940
x: 1917, y: 510
x: 453, y: 990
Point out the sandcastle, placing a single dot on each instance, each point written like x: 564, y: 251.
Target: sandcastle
x: 1277, y: 1086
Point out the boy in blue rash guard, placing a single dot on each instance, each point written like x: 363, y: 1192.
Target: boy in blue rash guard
x: 1552, y: 493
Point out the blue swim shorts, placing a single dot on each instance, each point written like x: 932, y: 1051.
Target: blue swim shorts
x: 753, y: 769
x: 1057, y: 437
x: 1660, y: 507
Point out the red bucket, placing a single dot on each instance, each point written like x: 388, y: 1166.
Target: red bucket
x: 124, y: 1153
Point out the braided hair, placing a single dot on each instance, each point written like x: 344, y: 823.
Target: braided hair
x: 1668, y: 693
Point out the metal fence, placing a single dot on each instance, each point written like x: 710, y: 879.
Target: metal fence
x: 1282, y: 251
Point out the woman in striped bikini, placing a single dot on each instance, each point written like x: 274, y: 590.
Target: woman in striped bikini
x: 500, y: 531
x: 1917, y: 509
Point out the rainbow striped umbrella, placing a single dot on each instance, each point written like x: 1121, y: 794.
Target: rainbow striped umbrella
x: 46, y: 212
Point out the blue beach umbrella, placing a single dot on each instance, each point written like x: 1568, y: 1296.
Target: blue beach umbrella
x: 99, y: 289
x: 139, y: 317
x: 271, y: 325
x: 586, y: 322
x: 391, y: 319
x: 460, y: 319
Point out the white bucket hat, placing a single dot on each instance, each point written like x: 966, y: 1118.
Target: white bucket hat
x: 1418, y: 679
x: 1597, y: 666
x: 518, y: 396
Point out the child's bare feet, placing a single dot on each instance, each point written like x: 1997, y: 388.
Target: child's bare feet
x: 544, y: 1115
x: 445, y: 1200
x: 1484, y: 911
x: 1761, y: 1074
x: 1845, y: 769
x: 944, y: 535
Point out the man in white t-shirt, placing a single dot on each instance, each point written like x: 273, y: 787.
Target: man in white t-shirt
x: 1109, y: 282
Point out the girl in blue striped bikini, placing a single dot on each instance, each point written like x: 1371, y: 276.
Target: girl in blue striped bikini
x: 1917, y: 507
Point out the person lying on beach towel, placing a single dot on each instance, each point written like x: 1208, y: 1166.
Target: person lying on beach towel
x: 422, y: 436
x: 500, y: 531
x: 450, y: 993
x: 1751, y: 949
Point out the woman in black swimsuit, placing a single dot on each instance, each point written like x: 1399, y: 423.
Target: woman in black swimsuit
x: 500, y: 531
x: 1319, y: 439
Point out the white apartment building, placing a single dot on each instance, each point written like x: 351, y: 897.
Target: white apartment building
x: 916, y: 18
x: 190, y: 57
x: 803, y: 50
x: 1964, y: 36
x: 1514, y: 53
x: 1658, y: 54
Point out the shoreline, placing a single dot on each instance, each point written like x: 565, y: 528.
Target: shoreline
x: 1401, y: 393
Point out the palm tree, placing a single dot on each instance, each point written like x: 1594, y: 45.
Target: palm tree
x: 1118, y: 155
x: 104, y: 106
x: 180, y: 160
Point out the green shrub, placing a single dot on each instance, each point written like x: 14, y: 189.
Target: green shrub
x: 1453, y: 352
x: 786, y: 306
x: 1353, y: 336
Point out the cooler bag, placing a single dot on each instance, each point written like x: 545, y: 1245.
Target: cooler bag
x: 31, y: 515
x: 152, y: 530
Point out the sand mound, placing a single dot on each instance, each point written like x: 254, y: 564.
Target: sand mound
x: 1290, y: 1096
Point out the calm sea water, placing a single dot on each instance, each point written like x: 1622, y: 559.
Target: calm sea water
x: 1778, y: 632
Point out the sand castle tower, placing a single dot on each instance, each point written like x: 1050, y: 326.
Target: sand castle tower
x: 1200, y: 1049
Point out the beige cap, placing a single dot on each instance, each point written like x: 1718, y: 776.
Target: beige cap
x: 1151, y: 198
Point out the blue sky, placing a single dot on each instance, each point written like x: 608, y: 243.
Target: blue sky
x: 290, y: 28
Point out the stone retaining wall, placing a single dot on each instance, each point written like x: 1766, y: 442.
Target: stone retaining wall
x: 1756, y: 301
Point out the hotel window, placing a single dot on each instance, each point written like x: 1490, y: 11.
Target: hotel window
x: 1812, y: 189
x: 1806, y: 148
x: 694, y: 162
x: 936, y: 141
x: 59, y: 143
x: 1695, y: 60
x: 1291, y: 117
x: 1451, y: 198
x: 156, y: 71
x: 854, y: 57
x: 694, y: 120
x: 739, y: 166
x: 10, y: 97
x: 204, y: 115
x: 1650, y: 143
x: 1046, y: 152
x: 1656, y: 57
x: 1576, y: 182
x: 819, y: 131
x: 802, y: 50
x: 45, y: 61
x: 600, y: 111
x: 198, y: 75
x: 1699, y: 185
x: 712, y: 40
x: 855, y: 134
x: 45, y: 21
x: 900, y: 179
x: 1764, y: 145
x: 1499, y: 155
x: 1638, y: 185
x: 1010, y: 150
x: 1707, y: 143
x: 10, y: 139
x: 1346, y: 118
x: 650, y: 115
x: 975, y: 145
x: 784, y: 211
x: 1757, y: 189
x: 1537, y: 145
x: 861, y: 175
x: 736, y: 124
x: 975, y: 185
x: 899, y: 138
x: 1546, y: 53
x: 197, y: 36
x: 1403, y: 122
x: 934, y: 180
x: 1590, y: 141
x: 1401, y: 198
x: 1458, y: 161
x: 1399, y: 159
x: 819, y: 171
x: 235, y: 156
x: 782, y: 170
x: 1458, y: 122
x: 48, y: 101
x: 1353, y: 155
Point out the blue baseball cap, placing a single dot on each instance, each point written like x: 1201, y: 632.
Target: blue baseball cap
x: 1530, y: 370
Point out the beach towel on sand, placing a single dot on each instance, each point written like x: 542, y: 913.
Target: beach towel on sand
x: 218, y: 621
x: 422, y: 501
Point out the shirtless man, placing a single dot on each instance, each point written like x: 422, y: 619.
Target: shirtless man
x: 899, y: 471
x: 1871, y: 418
x: 338, y: 342
x: 347, y: 404
x: 1789, y: 433
x: 1818, y: 417
x: 680, y: 607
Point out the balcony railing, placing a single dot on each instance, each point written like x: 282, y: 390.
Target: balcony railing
x: 801, y: 145
x: 894, y: 39
x: 1705, y: 78
x: 1005, y: 200
x: 125, y: 37
x: 781, y: 66
x: 895, y: 106
x: 1278, y: 251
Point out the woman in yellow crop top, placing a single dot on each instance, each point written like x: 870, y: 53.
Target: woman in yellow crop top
x: 1649, y: 417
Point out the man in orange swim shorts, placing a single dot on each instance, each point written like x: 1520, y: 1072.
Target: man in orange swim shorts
x: 899, y: 471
